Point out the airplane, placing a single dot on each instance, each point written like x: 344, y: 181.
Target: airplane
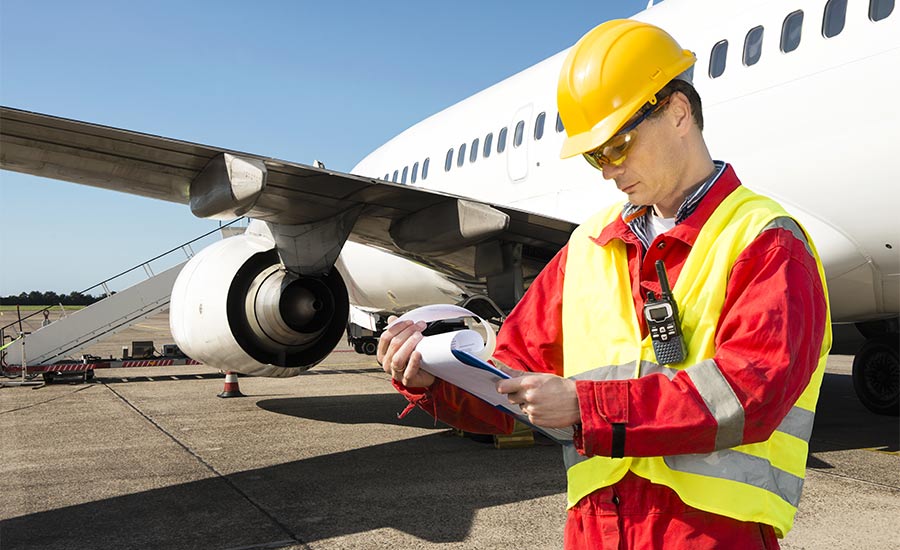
x: 467, y: 205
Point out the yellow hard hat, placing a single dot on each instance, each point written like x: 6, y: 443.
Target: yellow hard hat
x: 609, y: 74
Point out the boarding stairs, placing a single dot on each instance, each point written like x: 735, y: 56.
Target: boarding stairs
x: 69, y: 335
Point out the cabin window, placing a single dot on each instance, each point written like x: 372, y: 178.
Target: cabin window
x: 835, y: 16
x: 425, y: 168
x: 539, y: 126
x: 559, y: 124
x: 415, y: 172
x: 520, y: 133
x: 449, y: 162
x: 461, y: 157
x: 405, y: 172
x: 879, y: 9
x: 501, y: 141
x: 473, y: 153
x: 488, y: 141
x: 387, y: 177
x: 790, y: 31
x: 753, y: 46
x: 717, y: 59
x: 394, y: 179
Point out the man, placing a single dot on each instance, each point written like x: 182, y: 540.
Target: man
x: 708, y: 450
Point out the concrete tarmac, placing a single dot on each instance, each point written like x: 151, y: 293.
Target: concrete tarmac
x: 151, y: 458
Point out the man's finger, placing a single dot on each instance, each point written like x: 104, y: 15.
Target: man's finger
x: 400, y: 357
x: 510, y: 385
x: 384, y: 341
x: 412, y: 368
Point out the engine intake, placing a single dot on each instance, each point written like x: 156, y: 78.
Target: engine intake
x: 235, y: 307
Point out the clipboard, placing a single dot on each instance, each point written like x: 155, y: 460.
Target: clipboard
x: 563, y: 436
x: 460, y: 358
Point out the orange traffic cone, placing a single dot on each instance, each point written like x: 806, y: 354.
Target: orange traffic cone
x: 231, y: 386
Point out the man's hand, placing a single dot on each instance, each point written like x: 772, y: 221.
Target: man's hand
x: 397, y: 355
x: 549, y: 400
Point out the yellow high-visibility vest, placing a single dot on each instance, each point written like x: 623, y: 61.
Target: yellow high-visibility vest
x: 759, y: 482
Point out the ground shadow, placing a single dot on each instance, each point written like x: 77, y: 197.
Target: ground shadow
x: 430, y: 487
x: 843, y: 423
x: 351, y: 409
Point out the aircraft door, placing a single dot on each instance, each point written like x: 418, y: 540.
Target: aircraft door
x: 517, y: 148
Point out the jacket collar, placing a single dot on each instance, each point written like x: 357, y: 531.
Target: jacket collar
x: 688, y: 229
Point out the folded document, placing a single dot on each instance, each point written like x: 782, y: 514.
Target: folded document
x: 460, y: 358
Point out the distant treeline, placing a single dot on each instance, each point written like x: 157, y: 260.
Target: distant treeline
x: 49, y: 298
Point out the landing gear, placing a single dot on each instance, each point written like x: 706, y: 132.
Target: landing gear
x: 364, y: 341
x: 369, y: 347
x: 876, y: 374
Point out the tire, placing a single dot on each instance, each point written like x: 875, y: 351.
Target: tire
x: 369, y: 347
x: 358, y: 347
x: 876, y: 375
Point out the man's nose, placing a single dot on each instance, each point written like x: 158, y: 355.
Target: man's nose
x: 610, y: 171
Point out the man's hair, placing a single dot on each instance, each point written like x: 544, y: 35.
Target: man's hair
x: 686, y: 88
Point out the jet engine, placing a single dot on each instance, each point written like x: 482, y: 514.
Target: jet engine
x: 235, y: 307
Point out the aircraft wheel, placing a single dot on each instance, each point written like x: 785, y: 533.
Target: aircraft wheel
x: 358, y: 347
x: 876, y: 374
x: 369, y: 347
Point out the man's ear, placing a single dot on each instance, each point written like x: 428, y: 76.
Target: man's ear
x: 679, y: 110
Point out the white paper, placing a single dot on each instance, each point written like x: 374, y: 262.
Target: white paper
x: 443, y: 312
x: 438, y: 360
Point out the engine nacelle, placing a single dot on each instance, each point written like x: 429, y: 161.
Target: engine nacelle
x: 235, y: 307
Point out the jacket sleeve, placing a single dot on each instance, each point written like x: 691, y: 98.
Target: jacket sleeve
x: 767, y: 347
x: 530, y: 339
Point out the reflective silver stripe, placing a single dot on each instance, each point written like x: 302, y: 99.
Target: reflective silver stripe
x: 798, y: 423
x: 625, y: 372
x: 648, y: 368
x: 790, y: 225
x: 721, y: 401
x: 743, y: 468
x: 572, y: 457
x: 609, y: 372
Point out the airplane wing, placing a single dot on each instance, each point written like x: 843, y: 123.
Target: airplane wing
x: 454, y: 235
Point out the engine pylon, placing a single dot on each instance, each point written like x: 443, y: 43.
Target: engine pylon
x: 232, y: 388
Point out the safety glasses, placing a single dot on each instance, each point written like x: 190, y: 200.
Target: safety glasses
x: 615, y: 149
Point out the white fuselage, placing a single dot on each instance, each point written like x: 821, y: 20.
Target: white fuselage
x: 813, y: 128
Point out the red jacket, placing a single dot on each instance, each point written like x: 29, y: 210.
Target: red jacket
x: 768, y: 363
x: 767, y: 344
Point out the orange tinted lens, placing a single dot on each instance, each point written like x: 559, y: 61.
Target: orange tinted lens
x: 612, y: 152
x: 616, y: 148
x: 589, y: 156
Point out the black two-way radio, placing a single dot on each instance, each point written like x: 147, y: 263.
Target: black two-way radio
x: 664, y: 323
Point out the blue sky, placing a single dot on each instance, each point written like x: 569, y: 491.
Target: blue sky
x: 293, y: 80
